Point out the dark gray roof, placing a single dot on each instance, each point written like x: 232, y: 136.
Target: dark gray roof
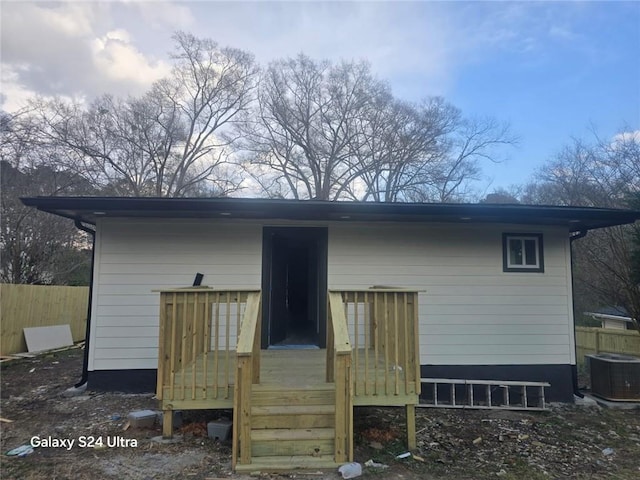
x: 87, y: 209
x: 611, y: 313
x: 611, y: 310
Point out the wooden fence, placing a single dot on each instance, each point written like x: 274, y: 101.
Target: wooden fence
x: 605, y: 340
x: 39, y: 306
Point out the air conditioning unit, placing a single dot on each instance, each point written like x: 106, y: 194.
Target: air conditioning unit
x: 615, y: 377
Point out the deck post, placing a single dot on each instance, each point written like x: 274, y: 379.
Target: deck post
x: 344, y: 409
x: 167, y: 422
x: 242, y: 408
x: 411, y: 427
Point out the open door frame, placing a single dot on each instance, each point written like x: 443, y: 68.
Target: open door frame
x: 320, y: 235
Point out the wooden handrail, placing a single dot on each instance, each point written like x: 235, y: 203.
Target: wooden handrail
x: 204, y: 289
x: 341, y: 342
x: 246, y: 339
x: 378, y: 289
x: 247, y: 373
x: 339, y: 372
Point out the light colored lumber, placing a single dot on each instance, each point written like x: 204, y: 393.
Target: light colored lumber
x: 281, y: 434
x: 248, y: 329
x: 243, y: 408
x: 293, y: 410
x: 167, y: 423
x: 340, y: 333
x: 410, y: 411
x: 311, y: 447
x: 40, y: 306
x: 292, y: 421
x: 289, y: 463
x: 379, y: 289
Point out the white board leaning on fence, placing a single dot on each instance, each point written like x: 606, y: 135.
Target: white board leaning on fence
x: 46, y: 338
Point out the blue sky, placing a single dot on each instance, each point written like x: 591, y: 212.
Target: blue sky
x: 550, y: 69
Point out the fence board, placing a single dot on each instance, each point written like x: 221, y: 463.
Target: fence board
x: 39, y: 306
x: 605, y: 340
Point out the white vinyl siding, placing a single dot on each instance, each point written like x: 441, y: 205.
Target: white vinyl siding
x: 471, y: 312
x: 134, y: 257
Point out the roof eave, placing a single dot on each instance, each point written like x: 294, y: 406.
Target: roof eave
x: 88, y: 209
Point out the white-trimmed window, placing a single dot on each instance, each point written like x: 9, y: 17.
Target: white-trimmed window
x: 522, y: 252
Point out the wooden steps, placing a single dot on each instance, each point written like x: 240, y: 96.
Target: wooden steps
x: 281, y: 464
x: 292, y: 428
x: 307, y: 416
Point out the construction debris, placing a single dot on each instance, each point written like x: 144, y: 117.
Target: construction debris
x: 142, y: 419
x: 350, y: 470
x: 21, y: 451
x: 372, y: 464
x: 565, y: 441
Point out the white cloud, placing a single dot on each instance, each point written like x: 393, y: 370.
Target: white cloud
x: 115, y: 57
x: 163, y: 15
x: 401, y: 40
x: 72, y: 20
x: 70, y: 49
x: 419, y: 47
x: 14, y: 95
x: 626, y: 137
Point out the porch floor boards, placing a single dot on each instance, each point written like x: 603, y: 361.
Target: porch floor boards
x: 286, y: 369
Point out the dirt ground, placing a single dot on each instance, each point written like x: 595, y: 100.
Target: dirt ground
x: 574, y: 442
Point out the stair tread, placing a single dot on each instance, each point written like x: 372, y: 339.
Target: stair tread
x: 294, y: 410
x: 276, y: 434
x: 288, y: 463
x: 265, y: 387
x: 262, y: 396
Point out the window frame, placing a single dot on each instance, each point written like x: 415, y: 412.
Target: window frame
x: 506, y: 264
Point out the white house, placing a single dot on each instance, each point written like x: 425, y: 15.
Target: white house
x: 494, y: 281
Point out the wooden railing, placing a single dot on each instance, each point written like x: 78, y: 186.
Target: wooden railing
x: 382, y: 324
x: 339, y: 371
x: 247, y: 373
x: 199, y: 330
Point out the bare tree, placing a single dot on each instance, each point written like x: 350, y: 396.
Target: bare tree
x: 599, y: 174
x: 171, y: 141
x: 402, y: 147
x: 305, y: 130
x: 36, y: 247
x: 332, y: 131
x: 465, y: 144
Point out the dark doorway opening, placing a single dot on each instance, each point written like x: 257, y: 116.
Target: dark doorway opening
x: 294, y: 285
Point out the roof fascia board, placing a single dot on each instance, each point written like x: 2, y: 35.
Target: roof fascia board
x: 584, y: 217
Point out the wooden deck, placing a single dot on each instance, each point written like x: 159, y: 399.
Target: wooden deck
x: 292, y: 408
x: 287, y: 368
